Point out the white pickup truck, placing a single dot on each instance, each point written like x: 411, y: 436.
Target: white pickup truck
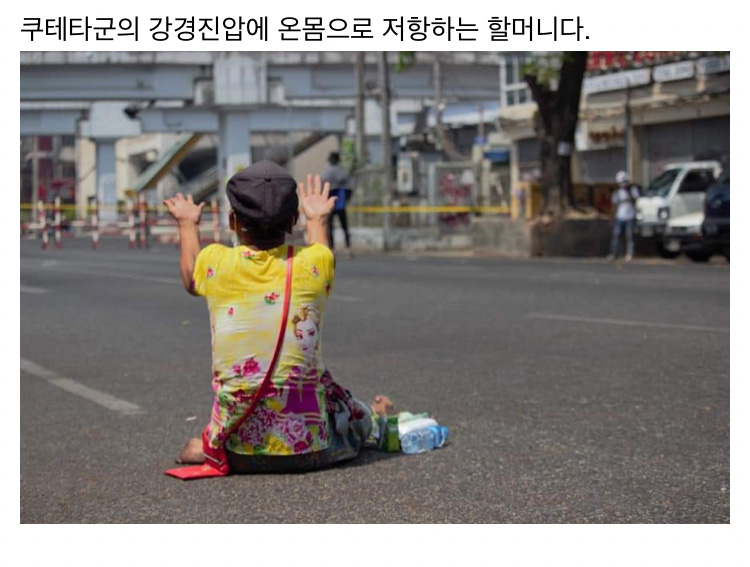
x: 678, y: 191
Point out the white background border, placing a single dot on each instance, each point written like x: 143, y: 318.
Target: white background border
x: 611, y: 26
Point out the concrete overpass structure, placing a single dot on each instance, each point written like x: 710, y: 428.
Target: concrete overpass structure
x: 106, y: 96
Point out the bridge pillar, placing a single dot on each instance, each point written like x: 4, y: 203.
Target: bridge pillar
x: 107, y: 122
x: 234, y: 152
x: 106, y: 181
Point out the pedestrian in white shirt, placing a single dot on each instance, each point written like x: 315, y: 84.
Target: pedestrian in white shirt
x: 623, y: 198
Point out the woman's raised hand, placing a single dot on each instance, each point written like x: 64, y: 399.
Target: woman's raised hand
x: 184, y: 210
x: 315, y: 199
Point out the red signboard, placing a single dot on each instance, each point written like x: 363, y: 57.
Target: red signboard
x: 610, y: 60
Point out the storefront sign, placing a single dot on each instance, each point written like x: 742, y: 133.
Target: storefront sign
x: 607, y: 136
x: 710, y: 65
x: 674, y: 71
x: 616, y: 81
x: 599, y: 135
x: 497, y: 156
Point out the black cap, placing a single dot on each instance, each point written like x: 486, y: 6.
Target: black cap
x: 265, y: 195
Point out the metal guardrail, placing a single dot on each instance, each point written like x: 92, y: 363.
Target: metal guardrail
x: 138, y: 225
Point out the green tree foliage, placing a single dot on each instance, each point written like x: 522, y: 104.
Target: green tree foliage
x: 405, y: 60
x: 348, y: 154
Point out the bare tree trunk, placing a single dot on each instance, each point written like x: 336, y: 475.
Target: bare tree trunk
x: 571, y: 82
x: 556, y: 122
x: 565, y: 181
x: 549, y: 171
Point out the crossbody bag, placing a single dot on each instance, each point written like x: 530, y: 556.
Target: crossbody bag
x: 217, y: 463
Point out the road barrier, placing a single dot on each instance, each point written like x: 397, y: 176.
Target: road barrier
x: 95, y: 224
x: 141, y: 223
x: 500, y: 209
x: 131, y: 224
x: 58, y: 223
x: 138, y: 223
x: 43, y: 225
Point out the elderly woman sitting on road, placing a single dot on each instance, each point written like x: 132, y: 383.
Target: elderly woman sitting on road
x: 276, y: 406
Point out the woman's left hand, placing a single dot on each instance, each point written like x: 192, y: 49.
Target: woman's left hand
x: 184, y: 210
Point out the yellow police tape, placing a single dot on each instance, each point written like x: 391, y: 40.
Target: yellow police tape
x: 501, y: 209
x: 431, y: 209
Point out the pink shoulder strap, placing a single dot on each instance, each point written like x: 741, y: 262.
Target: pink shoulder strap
x: 216, y: 459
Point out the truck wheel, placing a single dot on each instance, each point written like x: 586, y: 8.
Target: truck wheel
x: 664, y: 253
x: 699, y: 256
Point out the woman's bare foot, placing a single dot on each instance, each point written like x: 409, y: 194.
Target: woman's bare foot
x: 382, y: 405
x: 192, y: 453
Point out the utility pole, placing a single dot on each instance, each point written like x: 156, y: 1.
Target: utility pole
x: 289, y: 141
x: 385, y: 111
x: 481, y: 121
x: 444, y: 141
x: 360, y: 111
x: 626, y: 133
x: 438, y: 86
x: 502, y: 76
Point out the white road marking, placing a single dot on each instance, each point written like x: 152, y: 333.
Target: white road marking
x: 106, y: 400
x: 32, y: 289
x: 346, y: 298
x: 105, y: 273
x: 123, y: 276
x: 552, y: 317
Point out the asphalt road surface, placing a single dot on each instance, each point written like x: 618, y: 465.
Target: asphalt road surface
x: 575, y: 391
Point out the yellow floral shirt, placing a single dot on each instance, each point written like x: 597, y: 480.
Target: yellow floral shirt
x: 244, y: 289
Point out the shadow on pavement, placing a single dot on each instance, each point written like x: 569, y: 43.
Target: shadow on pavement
x: 368, y: 457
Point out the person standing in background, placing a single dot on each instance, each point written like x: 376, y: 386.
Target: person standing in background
x: 623, y: 198
x: 338, y: 177
x: 520, y: 195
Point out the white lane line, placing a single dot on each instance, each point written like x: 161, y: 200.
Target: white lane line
x: 122, y: 276
x: 109, y: 274
x: 106, y: 400
x: 32, y: 289
x: 346, y: 298
x: 155, y: 279
x: 552, y: 317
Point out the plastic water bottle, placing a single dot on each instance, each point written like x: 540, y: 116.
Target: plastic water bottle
x: 424, y: 439
x: 409, y: 422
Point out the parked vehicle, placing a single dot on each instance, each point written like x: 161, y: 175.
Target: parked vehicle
x: 684, y: 234
x: 678, y: 191
x: 716, y: 222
